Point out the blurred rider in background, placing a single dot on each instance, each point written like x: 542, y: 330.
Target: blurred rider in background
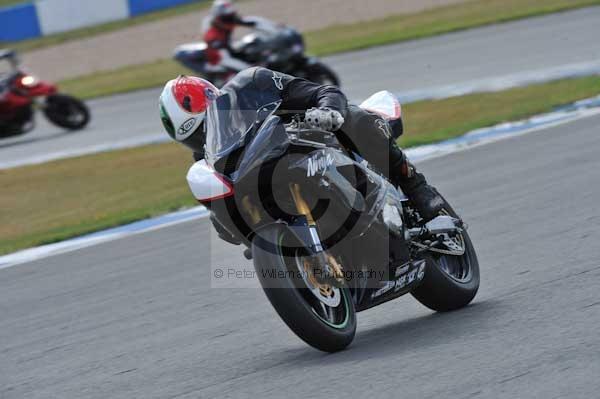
x: 219, y: 27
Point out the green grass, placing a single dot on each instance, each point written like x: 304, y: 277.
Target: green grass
x: 80, y: 195
x: 82, y: 33
x: 6, y: 3
x: 433, y: 22
x: 70, y: 197
x: 431, y: 121
x: 340, y: 38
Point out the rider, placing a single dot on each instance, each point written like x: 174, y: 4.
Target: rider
x: 184, y: 102
x: 222, y: 21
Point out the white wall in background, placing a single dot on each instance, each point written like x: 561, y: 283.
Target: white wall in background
x: 62, y: 15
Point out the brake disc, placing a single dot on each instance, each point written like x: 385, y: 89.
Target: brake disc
x: 327, y: 294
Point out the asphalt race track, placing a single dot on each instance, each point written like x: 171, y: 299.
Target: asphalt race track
x: 490, y: 52
x: 136, y: 318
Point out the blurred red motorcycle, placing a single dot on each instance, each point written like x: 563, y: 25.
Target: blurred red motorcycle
x: 21, y: 94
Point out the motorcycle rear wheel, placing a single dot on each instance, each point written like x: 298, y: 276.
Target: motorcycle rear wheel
x: 67, y: 112
x: 327, y: 328
x: 451, y: 282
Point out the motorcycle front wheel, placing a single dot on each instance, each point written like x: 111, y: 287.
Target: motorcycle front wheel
x: 322, y: 316
x: 67, y: 112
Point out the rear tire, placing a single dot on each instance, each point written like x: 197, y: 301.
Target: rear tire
x: 293, y: 301
x: 67, y: 112
x: 443, y: 291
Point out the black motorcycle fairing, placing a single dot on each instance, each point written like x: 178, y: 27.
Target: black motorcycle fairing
x: 324, y: 165
x: 405, y: 278
x: 275, y: 48
x: 266, y: 148
x: 380, y: 202
x: 195, y: 59
x: 385, y: 197
x: 270, y: 142
x: 328, y: 172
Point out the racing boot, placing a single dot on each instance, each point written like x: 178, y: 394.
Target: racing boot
x: 424, y: 197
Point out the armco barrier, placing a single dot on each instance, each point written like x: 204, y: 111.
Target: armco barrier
x: 19, y: 22
x: 44, y: 17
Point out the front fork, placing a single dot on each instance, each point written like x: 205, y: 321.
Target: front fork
x: 325, y: 268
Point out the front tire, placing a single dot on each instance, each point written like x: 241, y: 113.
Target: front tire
x: 67, y: 112
x: 451, y: 282
x: 329, y: 329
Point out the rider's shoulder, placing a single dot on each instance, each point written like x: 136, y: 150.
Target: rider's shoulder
x: 246, y: 76
x: 268, y: 79
x: 258, y: 74
x: 262, y: 78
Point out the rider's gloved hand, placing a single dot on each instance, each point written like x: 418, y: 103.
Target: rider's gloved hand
x: 324, y: 119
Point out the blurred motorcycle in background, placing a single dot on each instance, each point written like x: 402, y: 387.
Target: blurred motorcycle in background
x: 21, y: 94
x: 274, y: 46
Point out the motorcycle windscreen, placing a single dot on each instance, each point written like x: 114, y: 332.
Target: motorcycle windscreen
x: 270, y: 142
x: 232, y: 116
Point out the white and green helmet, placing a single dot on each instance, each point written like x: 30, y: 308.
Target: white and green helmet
x: 183, y: 105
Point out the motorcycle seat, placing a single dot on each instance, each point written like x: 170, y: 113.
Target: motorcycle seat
x: 385, y: 104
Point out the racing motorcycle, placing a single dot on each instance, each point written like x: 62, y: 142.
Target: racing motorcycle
x: 21, y: 94
x: 329, y: 235
x: 274, y: 46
